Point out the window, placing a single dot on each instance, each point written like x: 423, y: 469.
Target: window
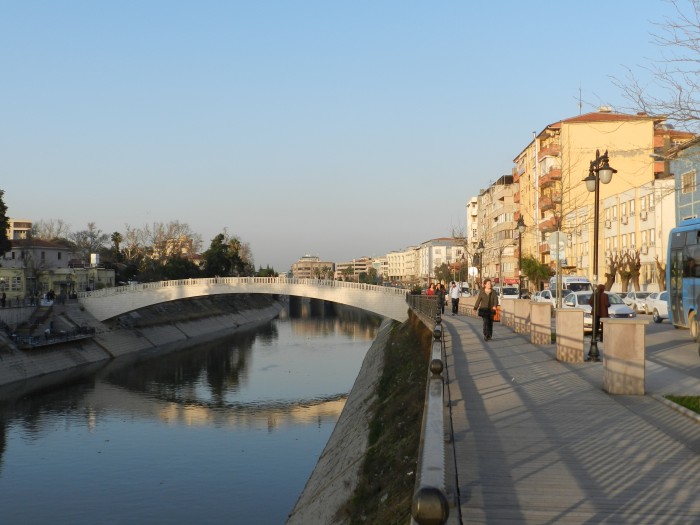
x: 643, y: 202
x: 15, y: 284
x: 632, y: 207
x: 614, y: 213
x: 623, y: 210
x: 633, y: 240
x: 624, y: 242
x: 59, y: 256
x: 644, y: 236
x: 688, y: 182
x: 43, y: 256
x: 651, y: 237
x: 651, y: 201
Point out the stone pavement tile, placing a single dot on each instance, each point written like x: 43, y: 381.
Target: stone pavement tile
x: 538, y: 441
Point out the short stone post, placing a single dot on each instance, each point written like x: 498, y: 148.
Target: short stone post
x: 569, y: 335
x: 507, y: 317
x: 521, y: 313
x: 540, y: 323
x: 623, y: 356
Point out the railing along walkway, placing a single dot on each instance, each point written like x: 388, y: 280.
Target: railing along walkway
x: 538, y: 441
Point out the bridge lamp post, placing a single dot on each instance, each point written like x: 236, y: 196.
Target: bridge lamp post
x: 599, y: 171
x: 521, y: 231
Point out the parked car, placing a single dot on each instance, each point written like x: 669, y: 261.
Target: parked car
x: 510, y: 292
x: 548, y: 296
x: 617, y: 308
x: 657, y: 306
x: 636, y: 300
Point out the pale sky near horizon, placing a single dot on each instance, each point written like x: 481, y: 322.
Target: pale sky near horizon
x: 338, y: 129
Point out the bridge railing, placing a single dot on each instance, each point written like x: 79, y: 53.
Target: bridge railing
x: 238, y: 281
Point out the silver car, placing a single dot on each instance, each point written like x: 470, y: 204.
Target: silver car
x: 617, y: 308
x: 636, y: 300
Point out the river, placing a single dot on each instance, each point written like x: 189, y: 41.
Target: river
x: 223, y: 433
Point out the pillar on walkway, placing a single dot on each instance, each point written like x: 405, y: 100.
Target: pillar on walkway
x: 507, y: 312
x: 623, y: 356
x: 521, y: 313
x: 569, y: 335
x: 540, y: 323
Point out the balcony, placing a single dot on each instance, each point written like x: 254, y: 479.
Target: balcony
x: 549, y: 202
x: 548, y: 225
x: 544, y: 248
x: 552, y: 176
x: 516, y: 197
x: 552, y: 150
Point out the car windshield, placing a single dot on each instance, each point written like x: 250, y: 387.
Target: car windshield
x: 510, y: 291
x: 613, y: 298
x: 642, y: 295
x: 583, y: 298
x: 579, y: 287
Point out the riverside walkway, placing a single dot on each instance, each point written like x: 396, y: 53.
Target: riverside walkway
x: 538, y: 441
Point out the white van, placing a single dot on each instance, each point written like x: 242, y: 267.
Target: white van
x: 575, y: 283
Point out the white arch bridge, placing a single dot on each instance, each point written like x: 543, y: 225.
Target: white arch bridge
x: 112, y: 302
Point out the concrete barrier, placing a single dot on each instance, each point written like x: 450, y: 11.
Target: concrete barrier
x: 540, y: 323
x: 623, y: 356
x: 569, y: 335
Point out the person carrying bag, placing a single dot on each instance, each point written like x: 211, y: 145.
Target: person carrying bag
x: 486, y: 303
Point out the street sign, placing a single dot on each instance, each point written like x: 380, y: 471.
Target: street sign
x: 557, y: 246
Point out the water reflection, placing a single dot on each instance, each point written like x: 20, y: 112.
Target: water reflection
x: 247, y: 380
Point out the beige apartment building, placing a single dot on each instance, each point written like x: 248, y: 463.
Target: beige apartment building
x: 312, y: 267
x: 403, y: 266
x: 636, y: 208
x: 491, y: 220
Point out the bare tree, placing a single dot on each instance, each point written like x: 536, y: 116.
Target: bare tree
x: 88, y: 241
x: 660, y: 273
x: 614, y: 262
x: 675, y: 75
x: 50, y: 229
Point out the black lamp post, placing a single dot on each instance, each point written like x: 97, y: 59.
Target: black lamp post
x: 521, y: 231
x: 480, y: 251
x: 599, y: 171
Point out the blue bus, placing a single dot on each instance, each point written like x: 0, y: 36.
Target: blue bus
x: 683, y: 275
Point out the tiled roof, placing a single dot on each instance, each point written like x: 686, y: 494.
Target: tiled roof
x: 37, y: 243
x: 605, y: 116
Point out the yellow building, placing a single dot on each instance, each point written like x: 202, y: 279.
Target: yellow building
x: 552, y: 196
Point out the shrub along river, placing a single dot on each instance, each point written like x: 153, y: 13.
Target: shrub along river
x: 227, y: 432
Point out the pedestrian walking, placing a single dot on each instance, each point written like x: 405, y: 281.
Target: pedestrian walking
x: 441, y: 293
x: 486, y: 303
x: 454, y: 296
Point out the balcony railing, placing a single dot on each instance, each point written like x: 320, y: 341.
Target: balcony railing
x: 516, y: 197
x: 544, y: 247
x: 552, y: 150
x: 548, y: 225
x: 552, y: 176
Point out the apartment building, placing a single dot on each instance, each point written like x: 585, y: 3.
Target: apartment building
x: 403, y: 265
x: 436, y: 252
x: 493, y: 222
x: 312, y: 267
x: 19, y: 229
x: 634, y: 210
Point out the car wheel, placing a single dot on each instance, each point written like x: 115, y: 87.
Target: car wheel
x: 656, y: 316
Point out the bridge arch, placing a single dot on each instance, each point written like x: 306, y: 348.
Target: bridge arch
x: 111, y: 302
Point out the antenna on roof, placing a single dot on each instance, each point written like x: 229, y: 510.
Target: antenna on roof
x: 580, y: 103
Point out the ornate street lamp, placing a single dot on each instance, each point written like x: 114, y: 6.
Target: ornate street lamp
x: 599, y: 171
x: 521, y: 231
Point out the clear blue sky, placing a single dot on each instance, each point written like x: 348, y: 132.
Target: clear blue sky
x: 339, y: 129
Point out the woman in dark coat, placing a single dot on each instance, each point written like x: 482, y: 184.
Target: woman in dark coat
x: 603, y: 303
x: 488, y: 300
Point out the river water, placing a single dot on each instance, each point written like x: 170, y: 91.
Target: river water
x: 223, y: 433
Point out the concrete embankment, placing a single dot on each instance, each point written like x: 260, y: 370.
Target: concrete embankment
x: 336, y: 473
x: 157, y: 331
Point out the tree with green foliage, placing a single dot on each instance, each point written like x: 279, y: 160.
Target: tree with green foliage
x: 266, y: 272
x: 5, y: 243
x: 348, y: 272
x: 116, y: 241
x: 535, y: 271
x: 180, y: 268
x: 227, y: 256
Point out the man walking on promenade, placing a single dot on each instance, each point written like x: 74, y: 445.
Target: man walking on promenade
x: 454, y: 295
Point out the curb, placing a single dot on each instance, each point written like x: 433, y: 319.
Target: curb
x: 678, y: 408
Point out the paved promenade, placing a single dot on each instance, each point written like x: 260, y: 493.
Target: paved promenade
x: 536, y: 441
